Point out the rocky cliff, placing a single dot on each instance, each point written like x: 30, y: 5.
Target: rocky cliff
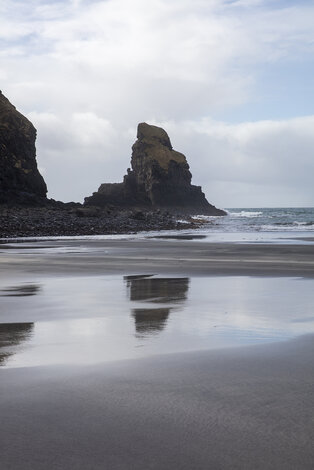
x: 159, y: 178
x: 20, y: 180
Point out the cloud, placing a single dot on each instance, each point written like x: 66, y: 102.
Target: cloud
x: 74, y: 152
x: 172, y: 50
x: 86, y: 72
x: 253, y: 163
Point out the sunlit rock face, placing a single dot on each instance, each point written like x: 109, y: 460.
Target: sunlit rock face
x: 20, y: 180
x: 159, y: 178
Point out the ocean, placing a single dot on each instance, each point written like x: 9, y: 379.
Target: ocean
x: 293, y: 219
x: 259, y: 224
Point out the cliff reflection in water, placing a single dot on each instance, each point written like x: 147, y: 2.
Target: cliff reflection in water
x: 11, y: 337
x: 150, y: 320
x: 155, y: 290
x: 23, y: 290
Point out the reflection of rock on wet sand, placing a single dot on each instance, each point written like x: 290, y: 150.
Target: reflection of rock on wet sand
x: 155, y: 290
x: 23, y: 290
x: 150, y: 320
x: 11, y: 336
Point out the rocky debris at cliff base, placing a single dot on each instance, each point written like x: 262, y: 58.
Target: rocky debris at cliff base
x: 63, y: 220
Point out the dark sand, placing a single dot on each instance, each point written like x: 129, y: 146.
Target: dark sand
x: 249, y: 408
x: 147, y: 256
x: 245, y: 408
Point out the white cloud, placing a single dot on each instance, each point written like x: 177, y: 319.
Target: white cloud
x: 86, y: 72
x: 75, y: 148
x: 253, y: 163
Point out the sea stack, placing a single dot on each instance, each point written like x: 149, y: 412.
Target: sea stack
x: 159, y: 178
x: 20, y: 180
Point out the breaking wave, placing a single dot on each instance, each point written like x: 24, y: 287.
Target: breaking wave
x: 262, y: 219
x: 246, y: 214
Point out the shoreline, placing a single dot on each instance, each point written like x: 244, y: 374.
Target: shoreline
x: 155, y: 256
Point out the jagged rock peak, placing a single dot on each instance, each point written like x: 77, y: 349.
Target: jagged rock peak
x: 153, y: 135
x: 20, y: 179
x: 160, y: 178
x: 153, y: 144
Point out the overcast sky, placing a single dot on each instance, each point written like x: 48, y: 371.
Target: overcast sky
x: 231, y: 81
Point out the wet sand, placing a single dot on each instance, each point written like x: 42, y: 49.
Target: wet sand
x: 147, y: 256
x: 249, y: 408
x: 243, y: 408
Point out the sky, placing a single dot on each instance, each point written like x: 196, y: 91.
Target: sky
x: 231, y: 81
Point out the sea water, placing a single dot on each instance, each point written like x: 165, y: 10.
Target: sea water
x: 266, y: 219
x: 271, y: 225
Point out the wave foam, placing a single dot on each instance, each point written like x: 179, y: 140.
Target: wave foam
x: 293, y: 227
x: 246, y: 214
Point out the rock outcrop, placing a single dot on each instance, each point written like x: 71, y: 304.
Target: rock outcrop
x: 20, y: 180
x: 160, y: 179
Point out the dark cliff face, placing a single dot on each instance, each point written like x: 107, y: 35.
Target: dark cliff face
x: 20, y: 180
x: 160, y: 178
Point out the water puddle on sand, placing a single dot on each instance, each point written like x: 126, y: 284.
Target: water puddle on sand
x: 11, y: 336
x: 89, y: 320
x: 179, y: 237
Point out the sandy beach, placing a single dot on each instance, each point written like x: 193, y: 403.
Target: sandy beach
x: 242, y: 409
x: 145, y: 255
x: 245, y: 407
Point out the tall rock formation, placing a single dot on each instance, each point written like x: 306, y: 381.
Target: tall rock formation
x: 20, y: 180
x: 160, y: 178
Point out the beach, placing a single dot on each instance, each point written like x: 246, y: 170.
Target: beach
x: 149, y: 352
x: 243, y: 409
x: 154, y: 255
x: 156, y: 235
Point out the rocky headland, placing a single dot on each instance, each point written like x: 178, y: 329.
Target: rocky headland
x: 20, y: 180
x: 153, y: 195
